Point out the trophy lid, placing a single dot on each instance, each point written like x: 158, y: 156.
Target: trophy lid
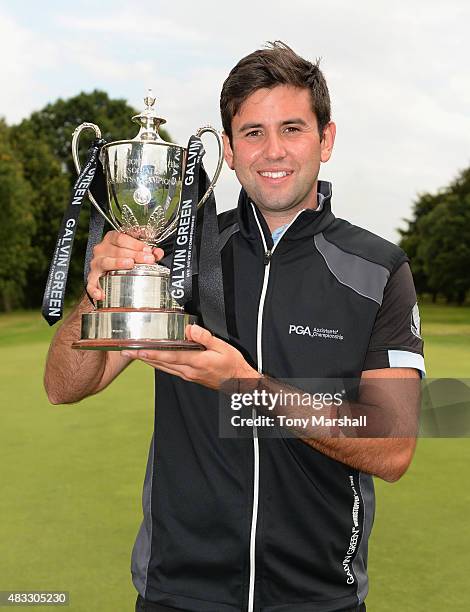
x: 148, y: 120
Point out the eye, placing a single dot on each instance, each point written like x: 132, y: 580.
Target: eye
x: 291, y: 129
x: 253, y: 133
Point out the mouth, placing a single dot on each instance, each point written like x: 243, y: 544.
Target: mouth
x: 275, y: 176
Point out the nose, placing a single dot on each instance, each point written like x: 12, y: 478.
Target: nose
x: 274, y: 147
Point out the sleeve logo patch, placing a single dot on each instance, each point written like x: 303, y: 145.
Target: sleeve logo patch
x: 415, y: 322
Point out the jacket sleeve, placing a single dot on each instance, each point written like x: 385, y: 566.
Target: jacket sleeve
x: 396, y: 336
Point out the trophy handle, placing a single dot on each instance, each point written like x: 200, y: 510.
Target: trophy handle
x: 218, y: 137
x: 170, y: 230
x: 76, y: 161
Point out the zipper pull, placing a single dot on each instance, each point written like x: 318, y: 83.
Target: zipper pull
x: 267, y: 257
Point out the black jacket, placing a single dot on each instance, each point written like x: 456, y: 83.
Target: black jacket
x: 235, y: 525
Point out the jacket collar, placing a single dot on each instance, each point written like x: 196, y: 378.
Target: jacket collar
x: 308, y: 223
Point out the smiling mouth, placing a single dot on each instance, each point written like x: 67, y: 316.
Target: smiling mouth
x: 275, y: 175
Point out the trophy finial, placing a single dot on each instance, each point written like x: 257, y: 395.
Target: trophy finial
x: 149, y: 99
x: 148, y: 120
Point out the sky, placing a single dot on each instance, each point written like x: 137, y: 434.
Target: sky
x: 398, y: 75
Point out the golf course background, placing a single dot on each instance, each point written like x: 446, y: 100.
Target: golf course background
x: 72, y: 478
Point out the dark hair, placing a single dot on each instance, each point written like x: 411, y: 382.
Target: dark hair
x: 277, y: 64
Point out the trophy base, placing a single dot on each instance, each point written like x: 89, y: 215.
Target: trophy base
x: 118, y: 329
x: 134, y: 345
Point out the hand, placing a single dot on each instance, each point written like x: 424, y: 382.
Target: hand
x: 220, y: 361
x: 118, y: 251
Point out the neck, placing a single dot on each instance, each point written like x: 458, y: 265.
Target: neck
x: 278, y: 218
x: 275, y: 221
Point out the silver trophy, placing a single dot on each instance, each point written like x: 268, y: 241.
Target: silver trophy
x: 144, y: 179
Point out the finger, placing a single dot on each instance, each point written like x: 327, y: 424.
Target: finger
x: 150, y: 355
x: 191, y: 360
x: 99, y: 266
x: 130, y: 353
x: 188, y: 331
x: 173, y: 358
x: 105, y: 264
x: 109, y: 250
x: 119, y: 239
x: 116, y: 241
x: 108, y: 237
x: 105, y: 249
x: 143, y: 257
x: 93, y: 286
x: 94, y: 292
x: 184, y: 372
x: 143, y: 354
x: 204, y: 337
x: 158, y: 253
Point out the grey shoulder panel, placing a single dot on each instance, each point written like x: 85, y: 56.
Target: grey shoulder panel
x: 363, y: 243
x: 365, y: 277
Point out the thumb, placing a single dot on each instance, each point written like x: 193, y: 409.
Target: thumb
x: 203, y: 336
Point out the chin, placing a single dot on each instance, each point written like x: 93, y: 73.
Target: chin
x: 275, y: 201
x: 279, y: 204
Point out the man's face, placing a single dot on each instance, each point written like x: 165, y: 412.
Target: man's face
x: 276, y: 149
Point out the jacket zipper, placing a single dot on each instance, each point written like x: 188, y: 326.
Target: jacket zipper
x: 268, y: 253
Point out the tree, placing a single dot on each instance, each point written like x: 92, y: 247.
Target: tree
x: 445, y: 247
x: 17, y: 225
x: 48, y: 197
x: 437, y: 240
x: 411, y: 239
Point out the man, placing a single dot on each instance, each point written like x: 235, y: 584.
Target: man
x: 274, y: 524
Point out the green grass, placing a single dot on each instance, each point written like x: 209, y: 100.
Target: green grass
x: 419, y: 559
x: 72, y: 477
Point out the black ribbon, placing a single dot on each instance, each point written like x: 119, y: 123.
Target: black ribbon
x: 181, y: 275
x: 99, y: 191
x: 54, y: 294
x: 210, y: 282
x: 210, y: 279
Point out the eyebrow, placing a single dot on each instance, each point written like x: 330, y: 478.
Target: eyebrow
x: 252, y: 126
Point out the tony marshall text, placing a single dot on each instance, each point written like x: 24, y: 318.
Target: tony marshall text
x: 302, y: 423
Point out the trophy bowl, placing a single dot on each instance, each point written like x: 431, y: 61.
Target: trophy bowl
x: 144, y: 178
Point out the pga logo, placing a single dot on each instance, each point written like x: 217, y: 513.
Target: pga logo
x: 300, y: 330
x: 315, y: 332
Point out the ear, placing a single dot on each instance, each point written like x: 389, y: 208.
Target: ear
x: 328, y: 141
x: 228, y: 153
